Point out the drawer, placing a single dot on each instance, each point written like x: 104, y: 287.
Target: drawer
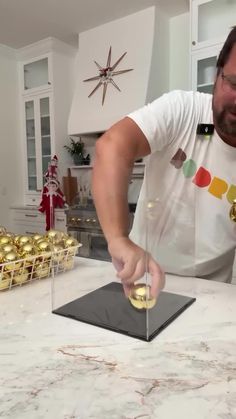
x: 28, y: 229
x: 32, y: 216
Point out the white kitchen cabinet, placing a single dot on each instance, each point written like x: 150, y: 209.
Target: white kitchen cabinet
x: 36, y: 75
x: 29, y: 221
x: 203, y: 63
x: 38, y: 132
x: 46, y: 88
x: 211, y: 21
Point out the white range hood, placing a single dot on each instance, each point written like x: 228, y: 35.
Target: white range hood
x: 144, y: 37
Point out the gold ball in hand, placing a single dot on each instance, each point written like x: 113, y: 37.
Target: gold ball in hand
x: 140, y: 297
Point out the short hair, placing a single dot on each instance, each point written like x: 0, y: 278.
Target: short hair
x: 226, y: 49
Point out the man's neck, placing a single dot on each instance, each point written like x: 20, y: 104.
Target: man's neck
x: 228, y: 139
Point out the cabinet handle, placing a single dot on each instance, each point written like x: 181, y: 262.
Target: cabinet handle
x: 30, y: 232
x: 193, y: 42
x: 59, y: 219
x: 31, y: 215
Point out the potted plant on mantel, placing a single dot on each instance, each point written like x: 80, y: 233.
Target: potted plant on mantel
x: 76, y: 150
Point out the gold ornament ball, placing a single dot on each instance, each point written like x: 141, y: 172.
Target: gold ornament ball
x: 44, y: 249
x: 42, y: 270
x: 5, y: 281
x: 68, y: 264
x: 28, y: 249
x: 24, y: 239
x: 54, y: 236
x: 232, y: 212
x: 58, y: 253
x: 2, y: 255
x: 12, y: 261
x: 44, y: 246
x: 8, y: 247
x: 70, y: 242
x: 140, y: 297
x: 37, y: 237
x: 20, y: 276
x: 5, y: 239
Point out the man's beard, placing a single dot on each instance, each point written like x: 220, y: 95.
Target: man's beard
x: 226, y: 126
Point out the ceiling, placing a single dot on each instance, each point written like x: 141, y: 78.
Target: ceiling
x: 23, y: 22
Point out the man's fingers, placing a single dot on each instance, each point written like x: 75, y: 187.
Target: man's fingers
x: 127, y: 272
x: 117, y: 264
x: 127, y: 289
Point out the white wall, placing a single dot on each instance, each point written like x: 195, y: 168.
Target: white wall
x: 179, y: 76
x: 11, y: 184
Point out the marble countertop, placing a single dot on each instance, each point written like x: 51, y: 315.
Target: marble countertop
x: 52, y: 367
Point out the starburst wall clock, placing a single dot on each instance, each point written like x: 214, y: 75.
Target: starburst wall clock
x: 106, y: 75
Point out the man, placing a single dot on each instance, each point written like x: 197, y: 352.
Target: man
x: 182, y: 217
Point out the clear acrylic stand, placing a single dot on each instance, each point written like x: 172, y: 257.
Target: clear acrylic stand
x: 166, y: 231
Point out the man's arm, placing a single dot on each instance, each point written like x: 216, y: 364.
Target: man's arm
x: 116, y: 152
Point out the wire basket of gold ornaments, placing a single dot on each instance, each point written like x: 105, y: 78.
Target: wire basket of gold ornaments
x: 24, y: 259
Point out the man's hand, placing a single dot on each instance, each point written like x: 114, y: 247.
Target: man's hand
x: 131, y: 263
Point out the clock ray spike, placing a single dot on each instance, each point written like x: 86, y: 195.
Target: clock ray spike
x: 95, y: 88
x: 118, y: 61
x: 115, y: 85
x: 104, y: 92
x: 109, y: 58
x: 92, y: 78
x: 115, y: 73
x: 98, y: 65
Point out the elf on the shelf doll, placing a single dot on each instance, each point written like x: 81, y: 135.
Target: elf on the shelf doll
x: 52, y: 196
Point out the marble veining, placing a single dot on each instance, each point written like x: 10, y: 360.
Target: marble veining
x: 52, y: 367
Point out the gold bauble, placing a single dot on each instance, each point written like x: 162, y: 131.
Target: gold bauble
x: 8, y: 247
x: 12, y: 261
x: 2, y: 230
x: 30, y: 261
x: 2, y: 255
x: 37, y: 237
x: 5, y: 281
x: 16, y: 238
x: 44, y: 246
x: 42, y: 270
x: 28, y: 249
x: 54, y: 236
x: 5, y: 239
x: 232, y: 212
x: 70, y: 242
x: 68, y: 264
x: 140, y: 297
x: 20, y: 276
x: 58, y: 253
x: 24, y: 239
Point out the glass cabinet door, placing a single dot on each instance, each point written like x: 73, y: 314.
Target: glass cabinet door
x: 204, y: 69
x: 38, y: 140
x: 36, y: 74
x: 211, y: 21
x: 31, y: 145
x: 45, y: 133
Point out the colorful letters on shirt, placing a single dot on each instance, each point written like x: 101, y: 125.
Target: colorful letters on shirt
x: 202, y: 178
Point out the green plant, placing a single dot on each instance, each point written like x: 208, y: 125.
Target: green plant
x: 75, y: 147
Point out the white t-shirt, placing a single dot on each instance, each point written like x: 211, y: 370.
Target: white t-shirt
x: 182, y: 216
